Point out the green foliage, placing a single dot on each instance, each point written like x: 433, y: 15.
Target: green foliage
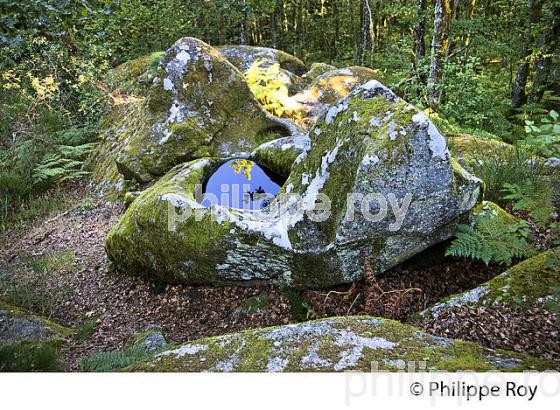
x: 31, y: 210
x: 112, y: 361
x: 32, y: 288
x: 30, y: 166
x: 536, y: 199
x: 517, y: 179
x: 85, y: 330
x: 473, y: 98
x: 30, y: 357
x: 491, y: 239
x: 268, y: 89
x: 544, y: 138
x: 65, y: 164
x: 300, y: 309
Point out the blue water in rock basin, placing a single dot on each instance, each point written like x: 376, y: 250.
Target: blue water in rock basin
x: 242, y: 184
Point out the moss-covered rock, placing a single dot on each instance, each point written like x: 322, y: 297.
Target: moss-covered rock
x: 166, y: 234
x: 496, y: 211
x: 134, y: 77
x: 333, y: 85
x: 244, y: 56
x: 149, y: 340
x: 370, y: 143
x: 530, y: 284
x: 374, y: 143
x: 470, y: 150
x: 318, y: 69
x: 198, y: 105
x: 278, y: 155
x: 357, y: 343
x: 326, y: 89
x: 29, y: 342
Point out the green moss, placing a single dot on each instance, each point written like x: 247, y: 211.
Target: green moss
x: 469, y: 149
x: 135, y: 76
x: 277, y: 160
x: 339, y: 344
x: 252, y: 306
x: 159, y: 100
x: 496, y: 210
x: 528, y: 284
x: 318, y: 69
x: 142, y: 244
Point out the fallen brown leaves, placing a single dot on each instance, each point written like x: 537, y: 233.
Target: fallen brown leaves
x: 532, y: 331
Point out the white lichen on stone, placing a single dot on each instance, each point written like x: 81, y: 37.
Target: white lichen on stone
x: 467, y: 298
x: 436, y: 141
x: 312, y: 359
x: 188, y: 349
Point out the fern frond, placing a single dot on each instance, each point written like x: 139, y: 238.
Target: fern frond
x: 491, y: 240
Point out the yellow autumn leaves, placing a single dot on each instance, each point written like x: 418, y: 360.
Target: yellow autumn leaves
x: 44, y: 88
x: 242, y: 165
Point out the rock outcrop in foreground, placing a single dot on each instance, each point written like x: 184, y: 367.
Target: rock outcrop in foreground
x: 357, y: 343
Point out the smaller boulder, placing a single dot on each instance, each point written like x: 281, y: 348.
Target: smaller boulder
x: 149, y: 340
x: 327, y: 88
x: 316, y: 70
x: 29, y: 342
x: 251, y: 306
x: 471, y: 151
x: 530, y: 284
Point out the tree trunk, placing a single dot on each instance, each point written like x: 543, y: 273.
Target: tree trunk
x: 471, y: 5
x: 355, y: 34
x: 336, y: 37
x: 273, y: 24
x: 371, y: 31
x: 551, y: 47
x: 243, y: 27
x: 440, y: 47
x: 300, y: 30
x: 419, y: 32
x: 518, y: 95
x: 364, y: 30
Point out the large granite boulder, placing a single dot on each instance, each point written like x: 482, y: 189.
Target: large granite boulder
x: 29, y: 342
x: 198, y: 105
x: 393, y: 191
x: 358, y: 343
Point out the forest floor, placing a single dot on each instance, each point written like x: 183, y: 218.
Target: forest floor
x: 87, y: 288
